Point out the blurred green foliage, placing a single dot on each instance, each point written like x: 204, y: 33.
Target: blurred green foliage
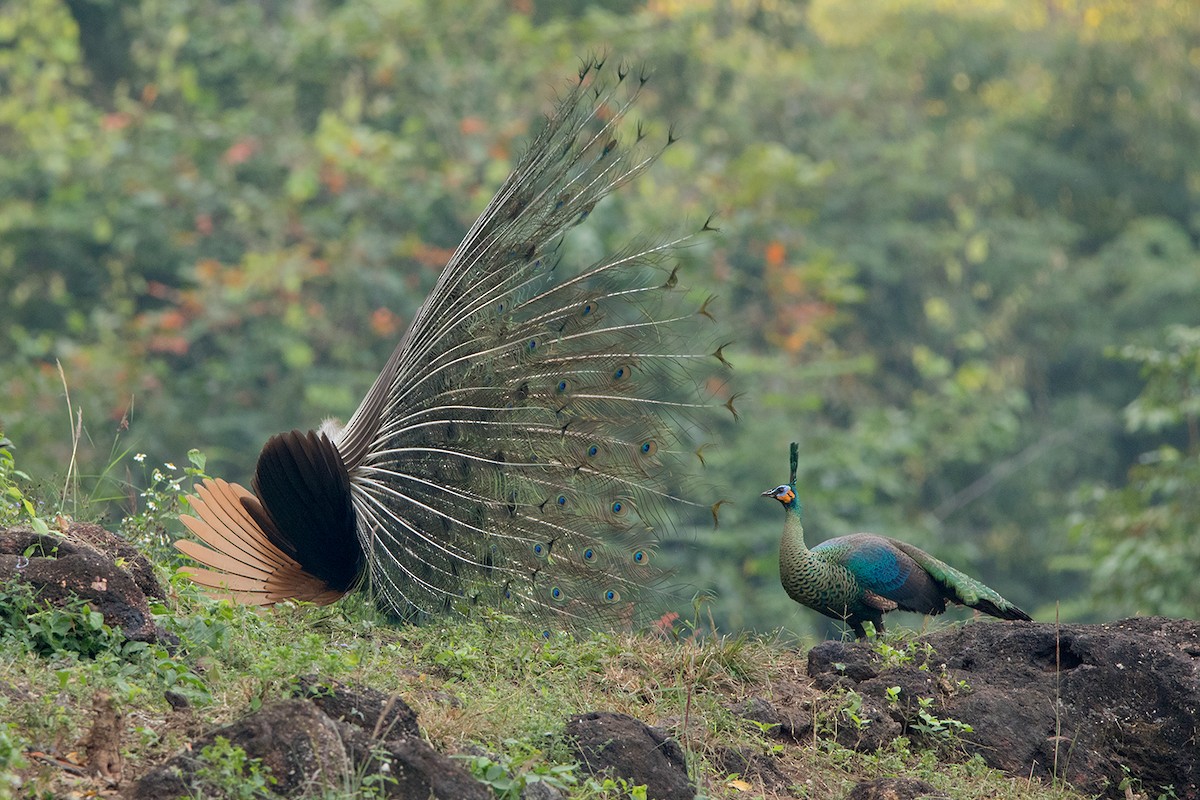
x: 1142, y: 535
x: 937, y: 217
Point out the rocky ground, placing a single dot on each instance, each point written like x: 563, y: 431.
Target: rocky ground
x: 1091, y: 704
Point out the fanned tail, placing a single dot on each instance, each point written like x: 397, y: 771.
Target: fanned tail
x: 527, y: 448
x: 526, y: 444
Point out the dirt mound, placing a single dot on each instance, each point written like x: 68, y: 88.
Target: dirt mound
x: 1088, y: 703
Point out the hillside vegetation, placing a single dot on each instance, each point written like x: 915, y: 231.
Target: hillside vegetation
x: 491, y: 691
x: 958, y: 252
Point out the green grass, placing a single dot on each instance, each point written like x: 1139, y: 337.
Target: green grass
x: 489, y: 682
x: 490, y: 688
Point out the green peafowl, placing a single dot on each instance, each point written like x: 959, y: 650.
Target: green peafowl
x: 860, y: 577
x: 525, y: 442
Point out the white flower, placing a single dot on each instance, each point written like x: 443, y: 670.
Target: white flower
x: 140, y: 457
x: 169, y: 465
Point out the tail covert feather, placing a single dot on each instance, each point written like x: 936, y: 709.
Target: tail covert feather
x: 527, y: 444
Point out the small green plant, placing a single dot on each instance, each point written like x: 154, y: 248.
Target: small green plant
x: 225, y: 771
x: 508, y: 775
x: 1132, y: 787
x: 372, y: 779
x: 161, y: 501
x: 458, y: 662
x: 15, y: 505
x: 898, y: 650
x: 851, y: 709
x: 11, y: 760
x: 935, y: 727
x: 614, y: 788
x: 49, y: 629
x: 892, y: 656
x: 495, y: 772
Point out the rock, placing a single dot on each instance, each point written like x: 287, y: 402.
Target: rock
x: 894, y: 789
x: 408, y: 768
x: 300, y: 746
x: 382, y: 716
x: 113, y: 546
x: 61, y: 568
x: 540, y: 791
x: 861, y: 722
x: 791, y: 724
x: 177, y: 701
x: 1127, y: 696
x: 326, y: 742
x: 623, y: 746
x: 831, y: 662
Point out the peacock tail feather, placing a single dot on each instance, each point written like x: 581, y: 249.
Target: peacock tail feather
x: 526, y: 443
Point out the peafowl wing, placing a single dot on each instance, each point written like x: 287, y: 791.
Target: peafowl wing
x: 889, y: 577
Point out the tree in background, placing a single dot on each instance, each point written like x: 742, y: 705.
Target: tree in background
x: 936, y: 218
x: 1142, y: 535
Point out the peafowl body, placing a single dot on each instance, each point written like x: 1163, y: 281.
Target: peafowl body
x: 860, y: 577
x: 522, y: 445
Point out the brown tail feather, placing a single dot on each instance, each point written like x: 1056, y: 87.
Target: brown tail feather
x: 223, y: 524
x: 246, y: 566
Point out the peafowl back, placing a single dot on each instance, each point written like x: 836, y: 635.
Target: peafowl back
x: 527, y: 441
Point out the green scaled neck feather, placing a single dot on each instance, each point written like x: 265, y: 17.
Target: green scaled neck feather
x: 860, y: 577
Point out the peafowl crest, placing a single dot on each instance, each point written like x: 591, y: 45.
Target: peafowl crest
x: 860, y: 577
x: 525, y: 444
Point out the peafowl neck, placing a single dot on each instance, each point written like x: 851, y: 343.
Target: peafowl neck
x: 797, y: 564
x: 792, y: 547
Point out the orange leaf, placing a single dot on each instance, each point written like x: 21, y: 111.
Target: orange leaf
x: 240, y: 151
x: 775, y: 253
x: 469, y: 126
x: 384, y: 322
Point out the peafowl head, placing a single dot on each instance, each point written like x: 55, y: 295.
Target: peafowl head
x: 785, y: 493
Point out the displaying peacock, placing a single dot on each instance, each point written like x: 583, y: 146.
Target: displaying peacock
x: 860, y: 577
x: 524, y: 444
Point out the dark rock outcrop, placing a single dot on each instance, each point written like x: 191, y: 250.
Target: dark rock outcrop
x: 300, y: 746
x: 894, y: 789
x: 1082, y: 702
x: 320, y: 744
x: 788, y: 724
x: 381, y: 715
x: 758, y: 769
x: 604, y: 742
x: 82, y: 563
